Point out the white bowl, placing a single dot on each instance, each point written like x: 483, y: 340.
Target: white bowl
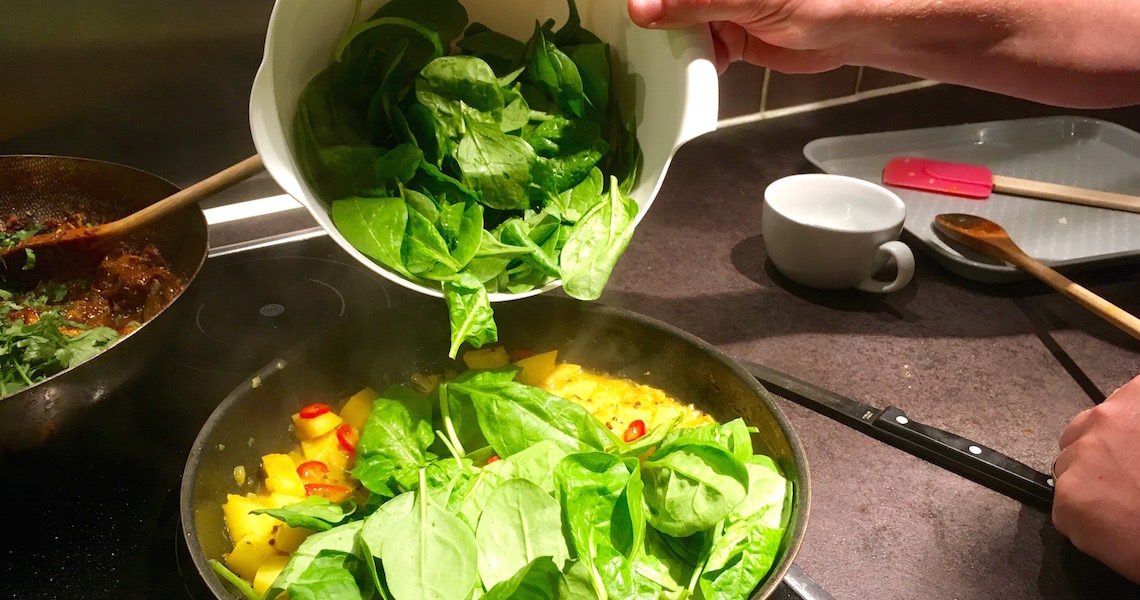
x: 675, y: 79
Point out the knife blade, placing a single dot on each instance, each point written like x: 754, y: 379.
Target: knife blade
x: 893, y: 426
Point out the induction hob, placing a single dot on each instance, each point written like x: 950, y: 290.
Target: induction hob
x: 94, y: 513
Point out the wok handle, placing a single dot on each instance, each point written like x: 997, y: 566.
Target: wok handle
x: 975, y: 460
x: 187, y: 197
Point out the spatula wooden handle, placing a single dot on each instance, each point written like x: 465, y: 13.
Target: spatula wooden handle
x: 1066, y: 193
x: 1106, y: 310
x: 187, y: 197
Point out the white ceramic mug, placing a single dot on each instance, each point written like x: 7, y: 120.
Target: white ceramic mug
x: 835, y: 232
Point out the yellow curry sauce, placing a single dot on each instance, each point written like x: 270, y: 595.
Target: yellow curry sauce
x: 262, y: 544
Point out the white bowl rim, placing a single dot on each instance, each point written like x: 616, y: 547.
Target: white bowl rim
x: 701, y: 94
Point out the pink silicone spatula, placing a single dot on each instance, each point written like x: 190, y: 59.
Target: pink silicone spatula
x: 975, y: 181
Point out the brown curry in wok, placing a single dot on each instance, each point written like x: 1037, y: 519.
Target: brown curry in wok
x: 73, y: 313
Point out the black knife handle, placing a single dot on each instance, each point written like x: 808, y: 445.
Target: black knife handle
x: 891, y: 426
x: 971, y: 459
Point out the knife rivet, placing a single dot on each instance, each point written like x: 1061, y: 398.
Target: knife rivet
x: 902, y: 420
x: 975, y: 450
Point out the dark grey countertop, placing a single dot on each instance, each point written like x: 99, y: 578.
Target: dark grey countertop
x: 1005, y: 365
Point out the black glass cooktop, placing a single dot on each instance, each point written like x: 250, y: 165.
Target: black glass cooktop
x: 94, y: 513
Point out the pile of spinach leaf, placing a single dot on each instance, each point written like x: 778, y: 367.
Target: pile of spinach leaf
x: 457, y: 156
x: 570, y: 512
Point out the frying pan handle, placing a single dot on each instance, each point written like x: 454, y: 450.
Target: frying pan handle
x: 980, y: 462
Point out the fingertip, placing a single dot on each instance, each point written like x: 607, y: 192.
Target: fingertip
x: 646, y: 13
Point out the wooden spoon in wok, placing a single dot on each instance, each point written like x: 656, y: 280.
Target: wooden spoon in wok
x: 102, y: 234
x: 988, y: 237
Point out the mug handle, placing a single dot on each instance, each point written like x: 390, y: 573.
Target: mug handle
x: 904, y: 261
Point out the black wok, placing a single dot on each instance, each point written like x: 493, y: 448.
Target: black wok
x: 253, y: 420
x: 46, y: 187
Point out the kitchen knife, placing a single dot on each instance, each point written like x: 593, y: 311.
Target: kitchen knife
x: 891, y: 425
x: 978, y: 182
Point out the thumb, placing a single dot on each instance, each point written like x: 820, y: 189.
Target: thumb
x: 683, y: 13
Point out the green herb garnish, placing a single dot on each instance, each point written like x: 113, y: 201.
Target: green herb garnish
x: 31, y: 353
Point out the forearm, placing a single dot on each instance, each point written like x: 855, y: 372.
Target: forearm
x: 1065, y: 52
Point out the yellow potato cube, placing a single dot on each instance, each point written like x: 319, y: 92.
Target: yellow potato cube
x: 249, y: 554
x: 268, y: 572
x: 279, y: 500
x: 241, y: 523
x: 297, y: 456
x: 281, y: 475
x: 583, y: 388
x: 327, y: 450
x: 358, y: 407
x: 286, y: 539
x: 317, y: 426
x: 535, y: 369
x: 561, y: 375
x: 486, y: 358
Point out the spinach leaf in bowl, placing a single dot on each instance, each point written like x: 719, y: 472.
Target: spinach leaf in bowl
x: 527, y: 136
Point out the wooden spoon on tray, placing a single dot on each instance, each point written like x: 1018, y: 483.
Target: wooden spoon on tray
x: 104, y: 233
x: 990, y: 238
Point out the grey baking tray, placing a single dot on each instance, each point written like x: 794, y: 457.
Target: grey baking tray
x: 1076, y: 151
